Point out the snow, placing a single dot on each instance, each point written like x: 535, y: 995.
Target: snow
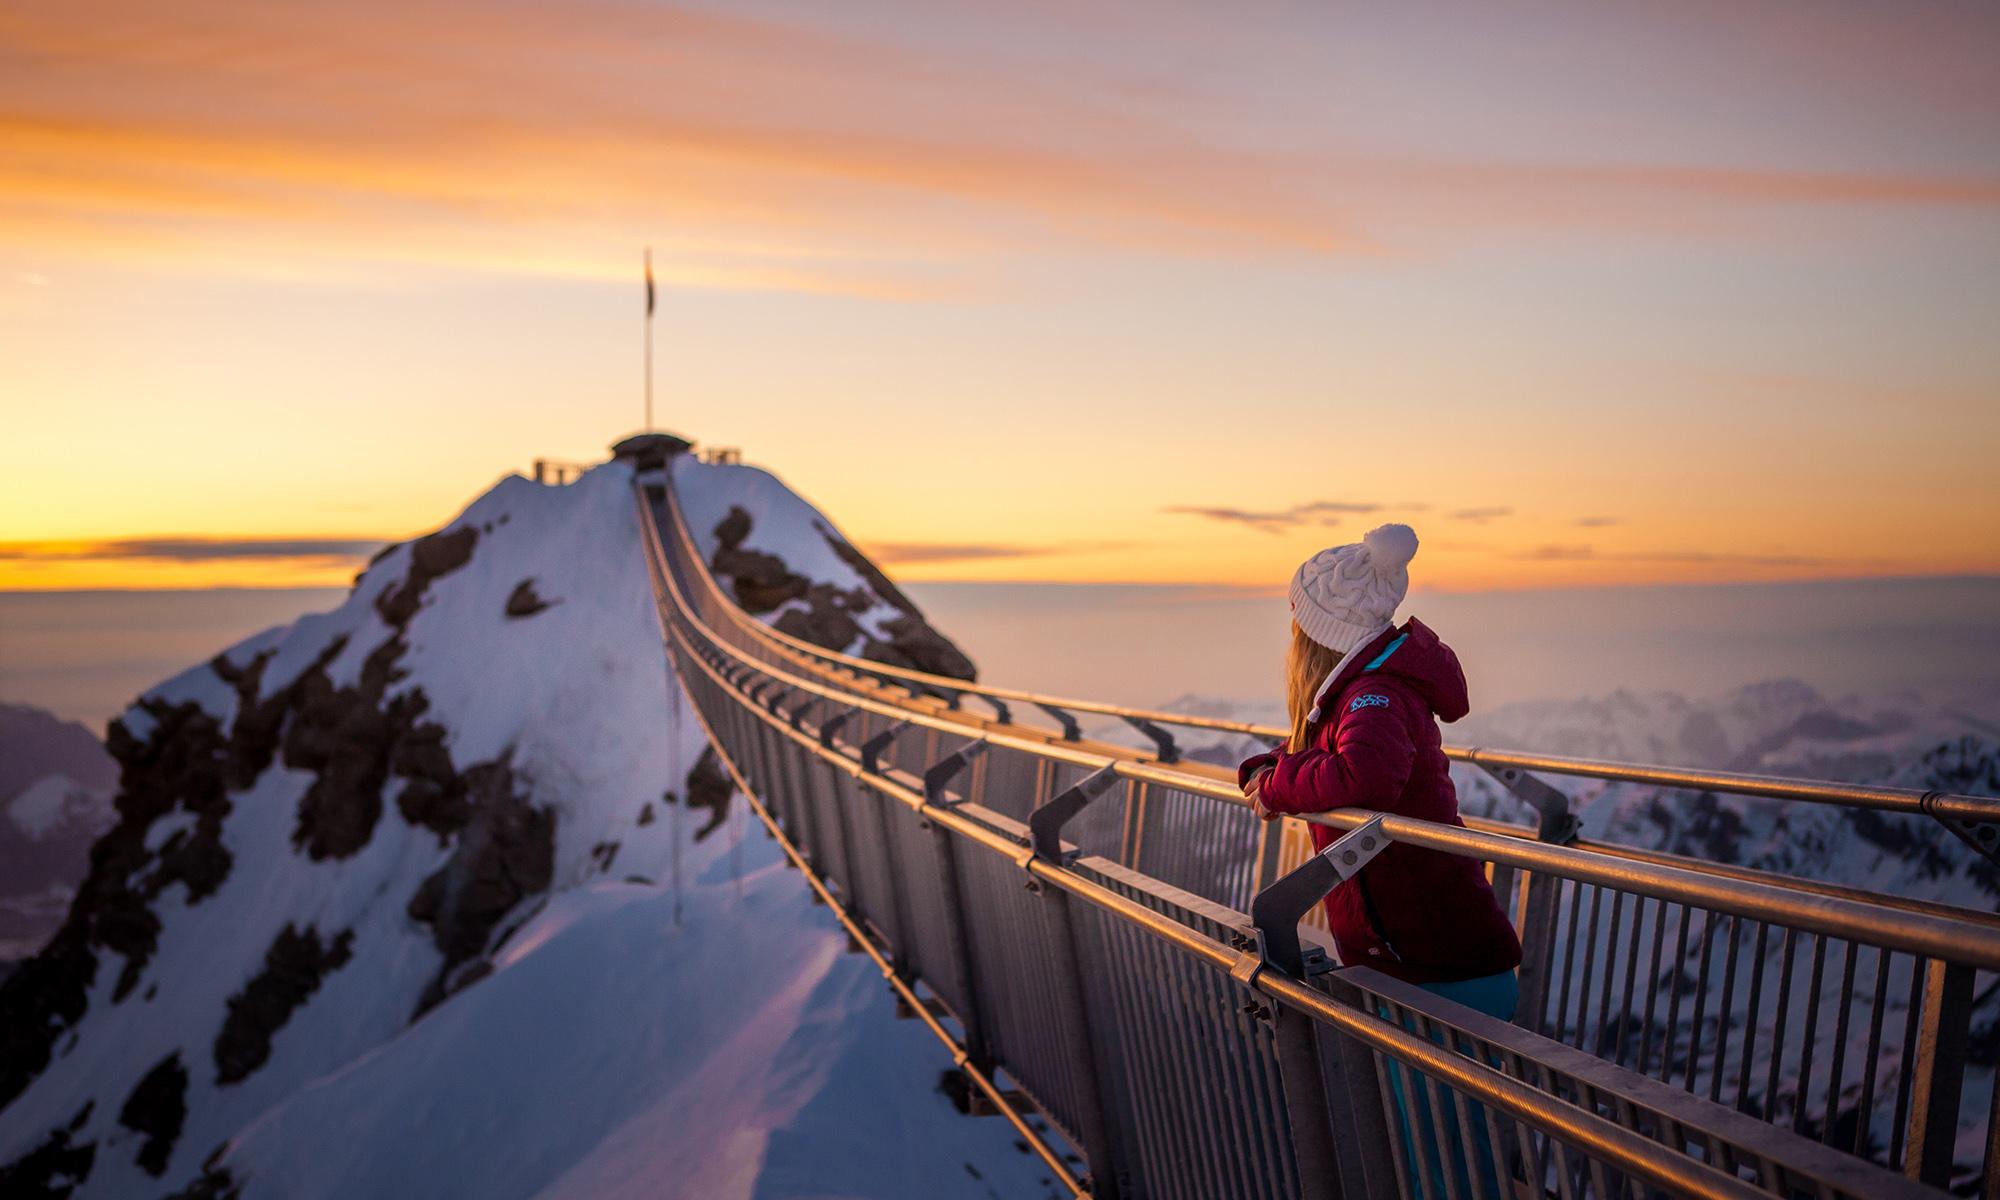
x: 608, y: 1046
x: 39, y: 807
x: 736, y: 1054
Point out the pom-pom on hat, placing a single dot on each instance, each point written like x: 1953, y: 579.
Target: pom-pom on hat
x: 1344, y: 596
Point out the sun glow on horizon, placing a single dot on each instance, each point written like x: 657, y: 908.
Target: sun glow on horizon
x: 1122, y: 293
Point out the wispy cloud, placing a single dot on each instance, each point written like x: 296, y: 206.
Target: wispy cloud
x: 937, y: 552
x: 193, y: 549
x: 1700, y: 558
x: 1316, y: 512
x: 1481, y: 515
x: 1597, y: 522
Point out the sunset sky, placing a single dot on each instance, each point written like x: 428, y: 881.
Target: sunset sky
x: 1588, y: 293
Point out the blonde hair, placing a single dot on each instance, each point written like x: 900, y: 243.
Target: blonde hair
x: 1307, y: 664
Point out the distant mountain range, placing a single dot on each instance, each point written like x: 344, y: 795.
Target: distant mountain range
x: 55, y: 800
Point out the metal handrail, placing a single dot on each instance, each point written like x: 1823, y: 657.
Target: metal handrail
x: 1913, y: 932
x: 1914, y: 801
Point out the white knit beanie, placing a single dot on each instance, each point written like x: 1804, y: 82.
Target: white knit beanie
x: 1344, y: 596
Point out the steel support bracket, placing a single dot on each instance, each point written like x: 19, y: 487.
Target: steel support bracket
x: 1277, y: 909
x: 798, y: 715
x: 1164, y: 741
x: 871, y: 751
x: 777, y: 697
x: 1072, y: 731
x: 943, y: 771
x: 831, y: 726
x: 1559, y: 825
x: 1982, y: 836
x: 1001, y: 712
x: 1046, y: 823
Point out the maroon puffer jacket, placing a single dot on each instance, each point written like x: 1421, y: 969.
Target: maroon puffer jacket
x: 1421, y: 915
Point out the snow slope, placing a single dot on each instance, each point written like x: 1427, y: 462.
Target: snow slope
x: 332, y: 829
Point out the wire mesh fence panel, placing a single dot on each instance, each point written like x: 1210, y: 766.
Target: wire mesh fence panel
x: 1197, y: 1071
x: 1015, y: 960
x: 1196, y: 844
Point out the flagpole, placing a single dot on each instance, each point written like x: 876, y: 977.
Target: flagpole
x: 649, y: 339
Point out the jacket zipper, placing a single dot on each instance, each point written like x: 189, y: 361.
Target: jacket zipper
x: 1375, y: 918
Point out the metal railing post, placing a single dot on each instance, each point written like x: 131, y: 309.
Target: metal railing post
x: 1542, y: 895
x: 1329, y: 1152
x: 1355, y: 1091
x: 1940, y: 1072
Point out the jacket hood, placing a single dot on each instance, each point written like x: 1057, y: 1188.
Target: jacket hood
x: 1417, y: 656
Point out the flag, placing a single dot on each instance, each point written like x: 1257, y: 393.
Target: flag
x: 649, y: 281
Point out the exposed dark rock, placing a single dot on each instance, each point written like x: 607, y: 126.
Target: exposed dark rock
x: 866, y: 568
x: 913, y: 643
x: 762, y: 582
x: 602, y: 854
x: 214, y: 1183
x: 351, y: 740
x: 157, y: 1108
x: 828, y: 618
x: 709, y: 787
x: 52, y: 1169
x: 293, y: 968
x: 910, y: 641
x: 523, y: 602
x: 430, y: 557
x: 732, y: 529
x: 505, y: 853
x: 346, y: 736
x: 646, y: 813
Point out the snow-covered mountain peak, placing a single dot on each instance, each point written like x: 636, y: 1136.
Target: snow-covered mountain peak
x: 341, y: 825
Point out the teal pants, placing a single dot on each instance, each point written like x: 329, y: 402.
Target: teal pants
x: 1434, y: 1137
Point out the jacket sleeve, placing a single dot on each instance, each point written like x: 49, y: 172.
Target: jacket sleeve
x: 1254, y: 764
x: 1367, y: 767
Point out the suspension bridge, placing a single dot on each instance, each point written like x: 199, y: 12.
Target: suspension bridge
x: 1130, y: 967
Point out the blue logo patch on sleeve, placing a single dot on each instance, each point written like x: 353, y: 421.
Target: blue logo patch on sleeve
x: 1369, y: 700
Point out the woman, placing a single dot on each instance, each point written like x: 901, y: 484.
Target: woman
x: 1364, y: 697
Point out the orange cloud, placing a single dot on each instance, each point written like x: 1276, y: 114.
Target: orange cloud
x: 551, y: 137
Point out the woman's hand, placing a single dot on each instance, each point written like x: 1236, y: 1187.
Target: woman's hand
x: 1255, y: 794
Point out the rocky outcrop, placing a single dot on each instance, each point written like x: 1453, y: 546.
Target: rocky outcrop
x: 828, y: 618
x: 914, y: 644
x: 523, y: 600
x: 55, y: 1167
x: 349, y: 737
x: 709, y: 787
x: 214, y: 1183
x: 763, y: 583
x: 157, y: 1108
x: 293, y: 968
x: 505, y: 853
x: 430, y: 557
